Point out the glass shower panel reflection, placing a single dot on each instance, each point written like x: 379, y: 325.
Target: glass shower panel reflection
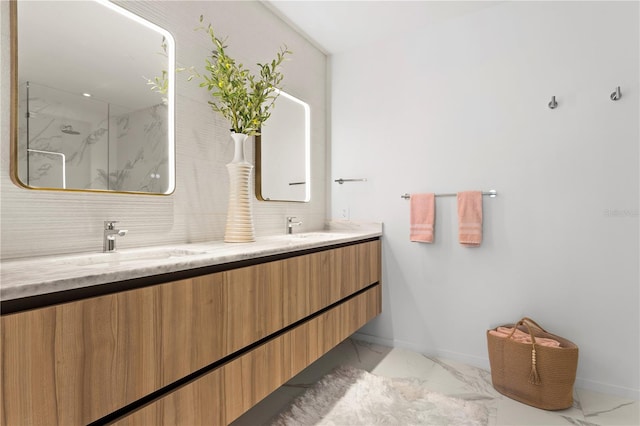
x: 71, y: 141
x: 65, y: 141
x: 138, y: 153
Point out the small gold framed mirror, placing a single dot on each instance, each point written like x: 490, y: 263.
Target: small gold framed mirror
x: 283, y: 152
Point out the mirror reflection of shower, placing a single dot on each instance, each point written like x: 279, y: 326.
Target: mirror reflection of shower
x: 90, y: 144
x: 54, y: 154
x: 65, y: 138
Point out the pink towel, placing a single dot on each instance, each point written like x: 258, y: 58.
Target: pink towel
x: 422, y: 217
x: 470, y: 218
x: 522, y: 337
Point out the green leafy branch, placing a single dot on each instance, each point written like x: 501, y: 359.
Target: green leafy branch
x: 241, y: 97
x: 161, y: 84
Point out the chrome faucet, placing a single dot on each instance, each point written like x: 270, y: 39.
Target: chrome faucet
x: 110, y: 234
x: 291, y: 224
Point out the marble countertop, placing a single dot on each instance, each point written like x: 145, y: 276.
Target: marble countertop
x: 21, y: 278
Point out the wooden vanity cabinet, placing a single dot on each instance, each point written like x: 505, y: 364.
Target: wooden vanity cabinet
x: 223, y: 395
x: 77, y: 362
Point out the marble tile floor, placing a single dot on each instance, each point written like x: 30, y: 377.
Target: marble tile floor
x: 450, y: 378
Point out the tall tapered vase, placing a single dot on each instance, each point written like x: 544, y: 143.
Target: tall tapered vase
x: 239, y: 215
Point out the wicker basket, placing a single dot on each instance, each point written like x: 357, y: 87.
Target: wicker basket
x: 535, y: 375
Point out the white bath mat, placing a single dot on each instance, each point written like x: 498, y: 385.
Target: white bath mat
x: 350, y: 397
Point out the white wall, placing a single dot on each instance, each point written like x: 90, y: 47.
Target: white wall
x: 46, y: 222
x: 463, y: 106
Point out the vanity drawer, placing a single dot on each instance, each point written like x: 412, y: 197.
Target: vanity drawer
x: 77, y: 362
x: 222, y: 395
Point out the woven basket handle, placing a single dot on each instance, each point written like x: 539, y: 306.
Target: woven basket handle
x: 529, y: 320
x: 534, y: 378
x: 525, y: 321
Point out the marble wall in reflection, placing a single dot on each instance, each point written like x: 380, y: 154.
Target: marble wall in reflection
x: 75, y: 142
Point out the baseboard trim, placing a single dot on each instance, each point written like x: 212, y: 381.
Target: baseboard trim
x: 483, y: 363
x: 606, y: 388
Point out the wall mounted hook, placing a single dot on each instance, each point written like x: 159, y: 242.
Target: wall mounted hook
x: 616, y: 95
x: 553, y: 104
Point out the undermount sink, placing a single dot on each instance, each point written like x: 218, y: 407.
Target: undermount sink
x: 132, y: 256
x: 315, y: 235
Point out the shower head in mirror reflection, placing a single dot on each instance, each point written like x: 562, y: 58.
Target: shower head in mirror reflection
x: 68, y: 129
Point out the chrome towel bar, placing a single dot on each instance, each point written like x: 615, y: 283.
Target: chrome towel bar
x: 341, y: 181
x: 491, y: 193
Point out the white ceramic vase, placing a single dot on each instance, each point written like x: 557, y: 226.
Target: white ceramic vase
x: 239, y: 227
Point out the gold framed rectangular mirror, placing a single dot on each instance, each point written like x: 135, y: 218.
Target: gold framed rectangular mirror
x: 84, y: 116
